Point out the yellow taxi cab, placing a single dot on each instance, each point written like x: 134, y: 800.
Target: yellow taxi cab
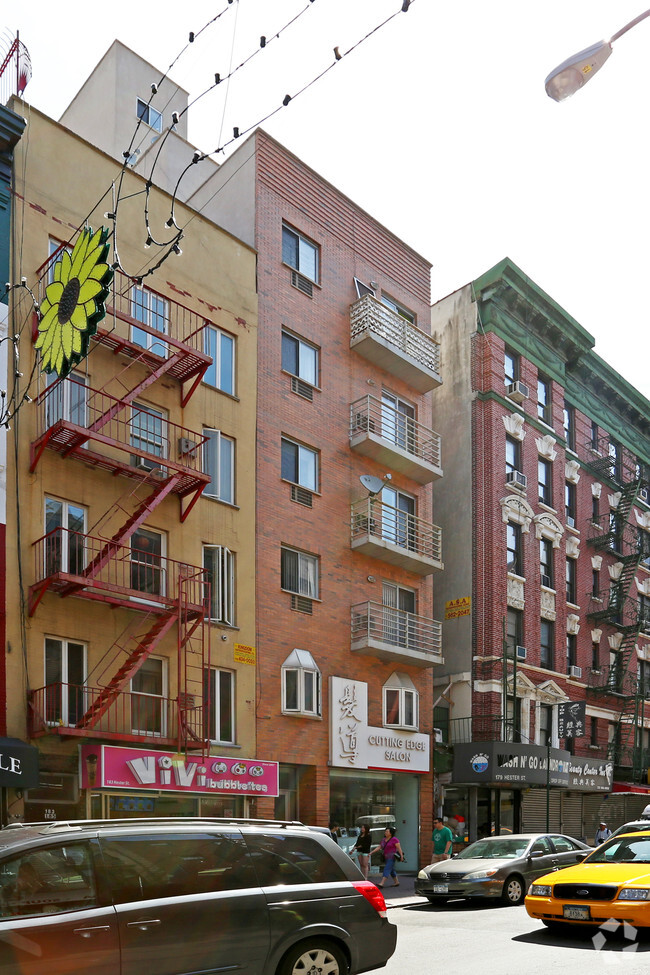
x: 612, y: 883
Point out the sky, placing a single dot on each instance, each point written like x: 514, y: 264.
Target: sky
x: 438, y: 125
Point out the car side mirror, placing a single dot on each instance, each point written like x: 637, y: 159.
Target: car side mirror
x: 535, y: 854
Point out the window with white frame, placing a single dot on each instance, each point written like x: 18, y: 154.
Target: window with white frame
x: 399, y: 309
x: 219, y: 705
x: 299, y: 464
x: 66, y: 399
x: 65, y: 528
x: 300, y: 358
x: 153, y: 310
x: 65, y: 679
x: 147, y: 567
x: 219, y: 463
x: 299, y: 573
x: 219, y: 564
x: 150, y: 116
x: 301, y: 684
x: 148, y: 694
x: 55, y: 247
x: 300, y: 253
x: 148, y: 434
x: 220, y: 346
x: 400, y: 702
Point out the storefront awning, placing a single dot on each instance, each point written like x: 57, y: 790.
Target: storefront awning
x: 18, y: 764
x: 627, y: 787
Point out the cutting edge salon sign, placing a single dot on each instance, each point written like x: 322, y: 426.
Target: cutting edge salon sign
x: 511, y: 763
x: 356, y: 744
x: 113, y: 767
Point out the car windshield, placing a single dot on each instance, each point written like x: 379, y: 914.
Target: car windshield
x: 622, y: 849
x: 498, y: 849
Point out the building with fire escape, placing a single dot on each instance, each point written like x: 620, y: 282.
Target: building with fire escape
x: 546, y: 472
x: 131, y: 638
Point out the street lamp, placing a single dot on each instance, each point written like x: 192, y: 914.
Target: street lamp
x: 572, y: 74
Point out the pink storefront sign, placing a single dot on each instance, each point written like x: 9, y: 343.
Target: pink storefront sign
x: 112, y: 767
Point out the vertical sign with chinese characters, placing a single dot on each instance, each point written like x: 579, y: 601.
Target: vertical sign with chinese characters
x: 349, y: 711
x: 571, y: 719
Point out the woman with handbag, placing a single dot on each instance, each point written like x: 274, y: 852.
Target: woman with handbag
x: 362, y: 846
x: 391, y: 850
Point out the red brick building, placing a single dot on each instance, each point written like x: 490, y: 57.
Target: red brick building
x: 545, y: 511
x: 346, y: 636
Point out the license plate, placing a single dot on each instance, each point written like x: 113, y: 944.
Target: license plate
x: 441, y: 888
x: 575, y: 913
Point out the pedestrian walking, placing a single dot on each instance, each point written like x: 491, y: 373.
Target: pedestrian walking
x: 391, y: 850
x: 362, y: 846
x: 602, y: 833
x: 442, y: 839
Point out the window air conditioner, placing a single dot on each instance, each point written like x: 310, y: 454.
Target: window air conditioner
x: 517, y: 479
x: 437, y: 735
x: 517, y: 392
x: 575, y: 671
x: 521, y: 653
x: 547, y: 581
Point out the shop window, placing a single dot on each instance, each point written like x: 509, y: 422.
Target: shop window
x: 400, y: 702
x: 301, y: 684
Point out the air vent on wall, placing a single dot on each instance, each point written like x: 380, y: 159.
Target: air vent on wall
x: 302, y: 389
x: 302, y: 284
x: 301, y: 604
x: 302, y: 496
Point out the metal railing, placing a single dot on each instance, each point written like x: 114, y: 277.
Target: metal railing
x: 402, y: 630
x: 371, y: 415
x: 612, y: 678
x: 375, y: 518
x: 480, y: 727
x: 367, y: 314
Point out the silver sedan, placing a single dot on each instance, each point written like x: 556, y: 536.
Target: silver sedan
x: 499, y: 866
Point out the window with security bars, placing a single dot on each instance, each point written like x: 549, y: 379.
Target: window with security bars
x: 299, y: 573
x: 219, y: 564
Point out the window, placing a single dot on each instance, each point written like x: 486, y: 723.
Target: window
x: 569, y: 426
x: 643, y: 542
x: 643, y: 676
x: 300, y: 359
x: 221, y: 348
x: 299, y: 573
x: 545, y: 481
x: 65, y: 679
x: 570, y: 494
x: 513, y: 455
x: 510, y: 367
x: 152, y: 310
x: 219, y: 705
x: 299, y: 464
x: 400, y: 310
x: 544, y: 400
x: 66, y: 399
x: 593, y: 731
x: 55, y: 248
x: 514, y: 554
x: 65, y: 527
x: 644, y: 612
x: 147, y: 575
x: 301, y: 684
x: 546, y: 562
x: 219, y: 463
x: 571, y: 593
x: 51, y: 882
x: 614, y: 452
x: 595, y: 655
x: 514, y: 629
x: 399, y: 626
x: 148, y: 693
x: 595, y: 509
x: 398, y: 518
x: 148, y: 434
x: 571, y: 647
x: 400, y: 702
x: 545, y: 724
x: 149, y: 115
x: 398, y: 422
x: 219, y: 564
x: 594, y: 436
x: 546, y: 645
x: 595, y: 583
x: 299, y: 253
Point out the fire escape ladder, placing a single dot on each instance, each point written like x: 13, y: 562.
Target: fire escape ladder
x: 621, y: 748
x: 194, y: 666
x: 137, y: 655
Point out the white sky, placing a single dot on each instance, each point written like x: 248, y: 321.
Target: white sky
x: 438, y: 125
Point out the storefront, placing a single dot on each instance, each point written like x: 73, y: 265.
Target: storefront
x: 18, y: 771
x: 121, y: 783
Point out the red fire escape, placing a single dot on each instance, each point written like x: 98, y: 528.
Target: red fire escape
x: 117, y: 434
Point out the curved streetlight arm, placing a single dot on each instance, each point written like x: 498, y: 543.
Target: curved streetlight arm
x: 632, y: 23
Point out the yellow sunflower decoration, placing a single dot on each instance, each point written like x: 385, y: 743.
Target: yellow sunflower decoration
x: 74, y: 303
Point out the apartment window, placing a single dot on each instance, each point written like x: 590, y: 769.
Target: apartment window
x: 219, y: 705
x: 398, y: 518
x: 148, y: 694
x: 399, y: 309
x: 594, y: 436
x: 544, y: 400
x: 65, y: 527
x: 300, y: 359
x: 299, y: 573
x: 219, y: 565
x: 571, y: 649
x: 399, y: 625
x: 221, y: 348
x: 569, y: 426
x: 513, y: 719
x: 595, y: 509
x: 614, y: 453
x: 615, y: 531
x: 570, y: 496
x: 219, y: 463
x: 514, y: 629
x: 66, y: 399
x: 300, y: 253
x: 545, y: 481
x: 514, y: 554
x: 571, y: 593
x: 510, y: 367
x: 148, y: 434
x: 301, y: 684
x: 398, y: 422
x: 147, y: 573
x: 149, y: 115
x: 299, y: 464
x: 595, y: 583
x: 595, y: 655
x: 593, y: 731
x: 545, y: 724
x: 643, y: 676
x: 546, y: 645
x: 400, y: 703
x: 644, y: 612
x: 643, y: 542
x: 546, y: 562
x: 513, y: 455
x: 65, y: 678
x: 152, y: 310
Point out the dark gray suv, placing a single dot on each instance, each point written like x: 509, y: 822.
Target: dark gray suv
x: 180, y: 896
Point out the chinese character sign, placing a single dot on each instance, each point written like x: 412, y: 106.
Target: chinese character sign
x: 571, y: 719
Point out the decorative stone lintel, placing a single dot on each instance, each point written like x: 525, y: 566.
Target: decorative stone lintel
x: 515, y: 508
x: 572, y: 547
x: 546, y: 446
x: 615, y: 571
x: 596, y: 562
x: 596, y: 635
x: 572, y: 471
x: 514, y: 424
x: 642, y: 519
x: 615, y: 641
x: 548, y: 526
x: 596, y: 489
x: 643, y: 586
x: 614, y: 499
x: 573, y: 624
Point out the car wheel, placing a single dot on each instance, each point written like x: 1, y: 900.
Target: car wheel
x: 317, y: 955
x: 513, y: 890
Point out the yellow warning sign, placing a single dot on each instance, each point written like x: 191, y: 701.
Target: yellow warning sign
x: 244, y: 654
x: 458, y: 607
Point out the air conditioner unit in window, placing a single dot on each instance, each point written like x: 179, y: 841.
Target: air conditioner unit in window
x: 516, y: 479
x: 517, y: 392
x: 644, y: 494
x: 571, y: 522
x: 521, y: 653
x: 575, y: 671
x: 547, y: 581
x: 437, y: 735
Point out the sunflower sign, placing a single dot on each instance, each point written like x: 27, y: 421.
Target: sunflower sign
x: 74, y: 303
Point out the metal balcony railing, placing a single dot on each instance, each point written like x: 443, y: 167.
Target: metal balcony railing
x: 612, y: 678
x: 370, y: 318
x: 481, y: 727
x: 374, y: 624
x: 380, y: 526
x: 372, y: 416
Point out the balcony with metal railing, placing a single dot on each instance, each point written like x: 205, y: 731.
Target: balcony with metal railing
x: 395, y: 536
x: 395, y: 635
x: 480, y: 727
x: 612, y: 679
x: 383, y: 433
x: 392, y: 343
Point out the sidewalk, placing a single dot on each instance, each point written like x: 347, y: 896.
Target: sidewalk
x: 400, y: 896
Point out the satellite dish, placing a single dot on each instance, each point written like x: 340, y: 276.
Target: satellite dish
x: 373, y: 485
